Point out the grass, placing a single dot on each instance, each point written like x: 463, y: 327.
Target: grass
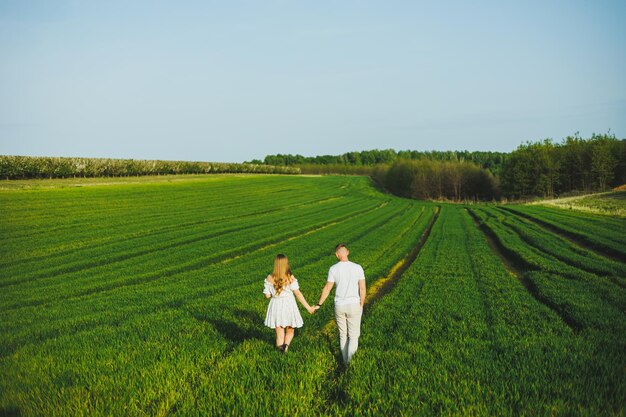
x: 610, y: 203
x: 143, y: 296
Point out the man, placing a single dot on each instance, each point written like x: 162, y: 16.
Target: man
x: 349, y: 300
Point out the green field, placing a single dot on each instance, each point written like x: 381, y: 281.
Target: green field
x: 611, y: 203
x: 144, y: 297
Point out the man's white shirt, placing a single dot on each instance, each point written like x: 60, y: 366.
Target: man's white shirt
x: 346, y: 276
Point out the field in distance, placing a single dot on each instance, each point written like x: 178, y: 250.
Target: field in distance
x: 612, y: 203
x: 143, y: 296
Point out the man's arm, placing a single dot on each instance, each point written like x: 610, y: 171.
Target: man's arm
x: 362, y: 291
x: 325, y: 291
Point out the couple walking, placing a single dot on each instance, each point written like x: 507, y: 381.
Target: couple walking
x: 283, y: 314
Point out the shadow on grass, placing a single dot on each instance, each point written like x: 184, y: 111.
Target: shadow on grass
x: 10, y: 412
x: 243, y: 325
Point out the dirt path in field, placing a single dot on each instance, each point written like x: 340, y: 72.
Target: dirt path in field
x: 575, y: 239
x: 384, y: 285
x: 518, y: 267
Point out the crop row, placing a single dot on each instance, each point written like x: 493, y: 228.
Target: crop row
x: 106, y: 273
x: 167, y: 280
x: 230, y: 387
x: 157, y: 304
x: 603, y: 301
x: 63, y: 230
x: 602, y: 233
x: 202, y: 312
x: 459, y: 335
x: 142, y: 231
x: 126, y: 342
x: 562, y: 249
x: 205, y: 240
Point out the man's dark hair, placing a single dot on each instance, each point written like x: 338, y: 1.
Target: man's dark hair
x: 339, y: 246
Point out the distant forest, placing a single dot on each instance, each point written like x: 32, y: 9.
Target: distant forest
x: 535, y: 169
x: 489, y: 160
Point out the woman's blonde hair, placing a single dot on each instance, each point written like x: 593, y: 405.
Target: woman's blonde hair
x: 282, y: 273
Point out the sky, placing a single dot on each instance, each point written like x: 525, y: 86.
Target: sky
x: 238, y: 80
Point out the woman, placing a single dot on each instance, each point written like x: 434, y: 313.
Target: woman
x: 282, y: 311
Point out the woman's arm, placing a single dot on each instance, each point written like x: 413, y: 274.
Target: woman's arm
x: 302, y: 300
x: 266, y: 288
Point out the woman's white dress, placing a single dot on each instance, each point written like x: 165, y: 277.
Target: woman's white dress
x: 282, y: 309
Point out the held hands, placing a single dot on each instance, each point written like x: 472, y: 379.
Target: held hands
x: 312, y: 309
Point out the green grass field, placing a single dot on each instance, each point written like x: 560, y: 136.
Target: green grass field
x: 143, y: 296
x: 611, y: 203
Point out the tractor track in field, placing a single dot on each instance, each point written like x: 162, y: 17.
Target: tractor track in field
x: 580, y: 250
x: 513, y: 264
x: 230, y: 329
x: 401, y: 236
x: 148, y: 220
x: 119, y: 256
x: 381, y: 287
x: 8, y: 350
x: 309, y: 232
x: 187, y: 198
x: 155, y: 232
x: 221, y: 258
x: 518, y: 267
x: 225, y: 328
x: 385, y: 284
x: 572, y: 237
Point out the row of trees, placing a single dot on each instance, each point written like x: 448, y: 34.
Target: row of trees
x: 24, y: 167
x: 550, y: 169
x: 542, y: 168
x: 341, y: 169
x: 430, y: 179
x: 490, y: 160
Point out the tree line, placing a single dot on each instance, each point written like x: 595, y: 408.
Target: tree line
x: 542, y: 168
x: 486, y: 159
x: 549, y: 169
x: 26, y: 167
x: 423, y: 179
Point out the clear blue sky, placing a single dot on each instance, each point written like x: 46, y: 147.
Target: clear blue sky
x: 232, y: 81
